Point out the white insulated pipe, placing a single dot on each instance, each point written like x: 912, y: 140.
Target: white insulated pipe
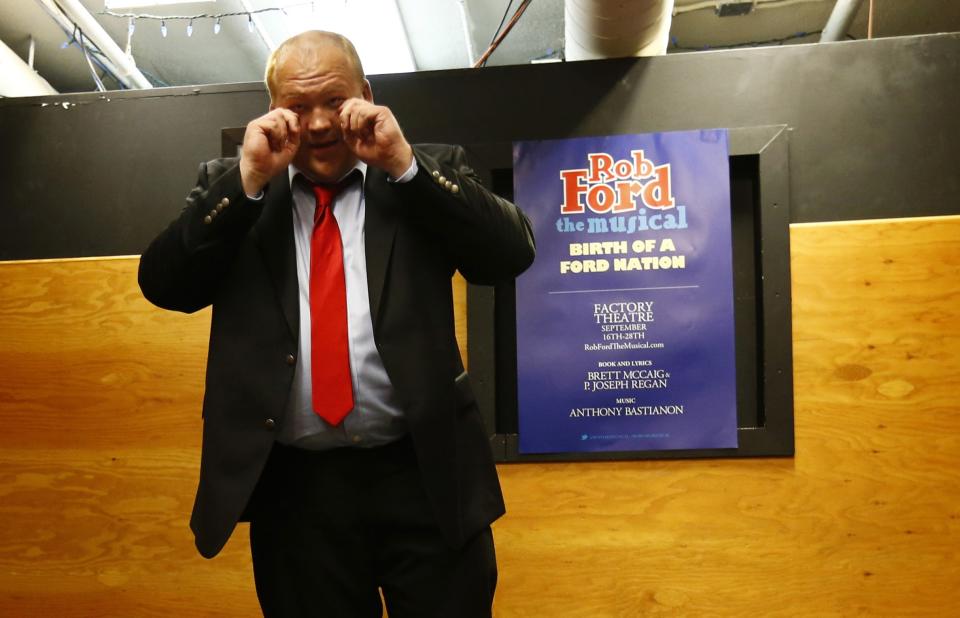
x: 67, y: 26
x: 616, y: 28
x: 840, y: 19
x: 465, y: 24
x: 127, y: 71
x: 17, y: 79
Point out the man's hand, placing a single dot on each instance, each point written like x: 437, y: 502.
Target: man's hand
x: 268, y: 147
x: 373, y: 134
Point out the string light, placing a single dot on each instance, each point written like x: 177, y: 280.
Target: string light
x: 131, y: 27
x: 217, y: 17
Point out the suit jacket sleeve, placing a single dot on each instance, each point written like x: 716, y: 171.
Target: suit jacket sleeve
x: 488, y: 238
x: 180, y: 268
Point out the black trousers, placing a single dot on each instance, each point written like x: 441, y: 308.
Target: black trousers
x: 329, y: 530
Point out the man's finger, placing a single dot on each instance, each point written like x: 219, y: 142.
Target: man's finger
x: 346, y: 111
x: 355, y: 114
x: 360, y: 119
x: 292, y: 121
x: 272, y: 130
x: 292, y: 124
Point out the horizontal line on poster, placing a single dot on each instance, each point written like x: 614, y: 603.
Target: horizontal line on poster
x: 668, y: 287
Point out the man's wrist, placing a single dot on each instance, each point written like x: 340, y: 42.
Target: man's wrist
x: 403, y: 165
x: 407, y: 174
x: 252, y: 185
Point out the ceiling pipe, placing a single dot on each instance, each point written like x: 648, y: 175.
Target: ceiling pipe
x: 126, y: 71
x: 17, y: 79
x: 840, y: 19
x: 616, y: 28
x: 465, y: 24
x: 67, y: 26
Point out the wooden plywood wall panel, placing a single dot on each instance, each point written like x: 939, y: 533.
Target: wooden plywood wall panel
x: 865, y: 520
x: 89, y: 363
x: 100, y: 402
x: 100, y: 396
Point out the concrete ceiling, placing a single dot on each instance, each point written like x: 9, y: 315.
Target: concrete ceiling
x: 437, y: 30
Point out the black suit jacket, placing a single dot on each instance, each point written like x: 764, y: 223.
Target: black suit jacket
x: 238, y: 255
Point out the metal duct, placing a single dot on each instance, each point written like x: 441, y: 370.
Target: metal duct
x: 17, y: 79
x: 616, y: 28
x: 840, y: 19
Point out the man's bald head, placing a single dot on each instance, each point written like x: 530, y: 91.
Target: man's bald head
x: 306, y: 44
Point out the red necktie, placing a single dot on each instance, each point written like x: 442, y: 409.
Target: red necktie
x: 330, y: 358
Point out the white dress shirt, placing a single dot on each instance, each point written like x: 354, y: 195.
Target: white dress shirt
x: 376, y: 418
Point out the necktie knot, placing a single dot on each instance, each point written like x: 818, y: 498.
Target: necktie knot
x: 325, y: 195
x: 326, y: 192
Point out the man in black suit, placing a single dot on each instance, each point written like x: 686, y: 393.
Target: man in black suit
x: 399, y: 495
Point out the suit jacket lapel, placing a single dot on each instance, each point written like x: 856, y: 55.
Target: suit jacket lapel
x: 380, y: 227
x: 274, y: 232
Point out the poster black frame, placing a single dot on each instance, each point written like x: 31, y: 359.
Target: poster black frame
x: 770, y: 430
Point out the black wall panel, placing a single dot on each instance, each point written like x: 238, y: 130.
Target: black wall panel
x: 875, y: 131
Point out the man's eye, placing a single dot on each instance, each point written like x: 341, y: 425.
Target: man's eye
x: 296, y: 108
x: 337, y: 102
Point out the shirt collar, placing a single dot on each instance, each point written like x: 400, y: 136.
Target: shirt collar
x: 293, y: 170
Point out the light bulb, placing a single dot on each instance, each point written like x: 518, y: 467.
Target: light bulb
x: 190, y: 28
x: 163, y: 28
x: 249, y: 22
x: 216, y: 26
x: 131, y: 27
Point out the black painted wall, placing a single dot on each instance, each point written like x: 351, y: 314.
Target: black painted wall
x: 875, y: 131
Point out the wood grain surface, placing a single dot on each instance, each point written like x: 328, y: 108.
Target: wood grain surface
x: 865, y: 520
x: 100, y: 404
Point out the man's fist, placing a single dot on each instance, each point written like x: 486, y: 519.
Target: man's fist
x: 269, y: 145
x: 373, y: 134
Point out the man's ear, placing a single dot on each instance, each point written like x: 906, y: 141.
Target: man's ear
x: 367, y: 91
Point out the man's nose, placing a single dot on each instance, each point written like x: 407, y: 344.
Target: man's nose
x: 320, y: 119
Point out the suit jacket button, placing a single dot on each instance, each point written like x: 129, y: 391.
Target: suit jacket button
x: 269, y: 424
x: 291, y: 359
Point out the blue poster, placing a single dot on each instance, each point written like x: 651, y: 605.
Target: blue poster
x: 625, y: 335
